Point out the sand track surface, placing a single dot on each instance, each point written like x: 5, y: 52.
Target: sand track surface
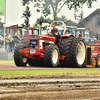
x: 69, y: 86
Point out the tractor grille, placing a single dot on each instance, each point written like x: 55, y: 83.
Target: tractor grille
x: 34, y: 44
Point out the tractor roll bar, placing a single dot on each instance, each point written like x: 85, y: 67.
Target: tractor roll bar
x: 60, y: 22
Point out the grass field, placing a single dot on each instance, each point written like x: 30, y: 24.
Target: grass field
x: 46, y: 72
x: 6, y: 59
x: 43, y: 72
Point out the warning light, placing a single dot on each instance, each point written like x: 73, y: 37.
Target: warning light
x: 46, y: 26
x: 33, y: 26
x: 38, y: 22
x: 59, y: 24
x: 17, y: 24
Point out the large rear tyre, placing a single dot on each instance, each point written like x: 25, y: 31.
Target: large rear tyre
x: 65, y: 50
x: 78, y: 53
x: 51, y: 56
x: 18, y: 59
x: 98, y: 60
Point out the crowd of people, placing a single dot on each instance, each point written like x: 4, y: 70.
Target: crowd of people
x: 9, y: 43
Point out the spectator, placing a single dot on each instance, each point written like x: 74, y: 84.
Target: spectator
x: 7, y: 43
x: 11, y: 44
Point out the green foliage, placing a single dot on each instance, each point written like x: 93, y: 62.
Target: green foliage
x: 62, y: 18
x: 66, y: 21
x: 55, y: 6
x: 24, y: 2
x: 79, y: 3
x: 26, y: 15
x: 44, y: 20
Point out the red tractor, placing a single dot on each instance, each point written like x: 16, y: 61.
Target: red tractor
x: 42, y: 50
x: 18, y: 32
x: 21, y: 34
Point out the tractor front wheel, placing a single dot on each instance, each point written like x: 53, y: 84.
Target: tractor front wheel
x: 18, y: 59
x: 51, y: 56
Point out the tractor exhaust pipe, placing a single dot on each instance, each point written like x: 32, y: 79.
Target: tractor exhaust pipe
x: 40, y: 28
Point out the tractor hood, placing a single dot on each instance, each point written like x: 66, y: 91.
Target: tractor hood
x: 42, y: 37
x: 47, y: 38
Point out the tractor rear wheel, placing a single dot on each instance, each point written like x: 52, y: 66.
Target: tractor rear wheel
x: 51, y: 56
x: 18, y: 59
x: 65, y: 50
x: 78, y: 53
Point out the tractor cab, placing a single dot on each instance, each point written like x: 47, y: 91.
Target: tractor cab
x: 21, y: 32
x: 85, y: 35
x: 61, y: 30
x: 26, y: 32
x: 14, y: 31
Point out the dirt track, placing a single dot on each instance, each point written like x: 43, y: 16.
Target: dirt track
x: 89, y: 90
x: 9, y: 65
x: 29, y: 94
x: 56, y: 90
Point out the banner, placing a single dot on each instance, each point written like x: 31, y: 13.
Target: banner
x: 2, y: 7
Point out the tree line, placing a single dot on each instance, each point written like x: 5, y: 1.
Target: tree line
x: 54, y: 7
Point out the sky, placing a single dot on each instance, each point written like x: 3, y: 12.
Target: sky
x: 14, y: 10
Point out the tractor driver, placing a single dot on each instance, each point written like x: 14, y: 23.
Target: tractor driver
x: 80, y: 35
x: 55, y: 33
